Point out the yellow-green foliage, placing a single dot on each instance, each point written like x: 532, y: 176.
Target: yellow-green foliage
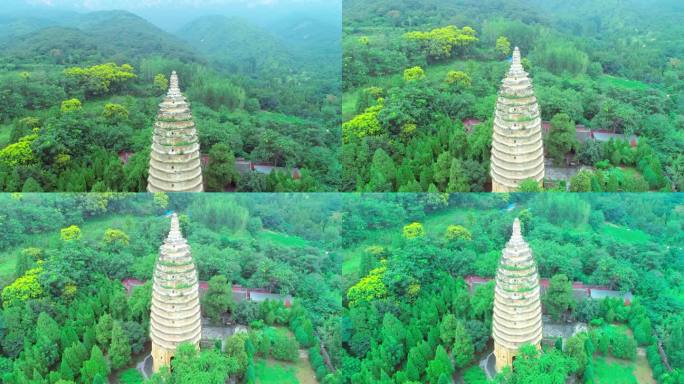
x: 161, y: 82
x: 70, y: 233
x: 115, y: 111
x: 374, y: 92
x: 440, y: 42
x: 408, y: 129
x: 363, y: 40
x: 35, y: 253
x: 376, y: 250
x: 414, y: 74
x: 458, y: 232
x: 70, y: 105
x: 99, y: 78
x: 18, y: 153
x: 114, y: 236
x: 413, y: 230
x: 32, y: 123
x: 161, y: 199
x: 69, y: 291
x: 369, y: 288
x: 458, y: 78
x: 365, y: 124
x: 413, y: 290
x: 503, y: 46
x: 24, y: 288
x: 62, y: 159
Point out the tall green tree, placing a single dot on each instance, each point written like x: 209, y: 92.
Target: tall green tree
x: 218, y: 299
x: 561, y: 139
x: 221, y: 170
x: 558, y: 298
x: 120, y: 349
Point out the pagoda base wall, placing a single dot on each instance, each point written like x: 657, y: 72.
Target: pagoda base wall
x: 504, y: 356
x: 161, y: 357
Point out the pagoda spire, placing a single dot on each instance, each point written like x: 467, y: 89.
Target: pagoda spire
x: 175, y: 164
x: 517, y: 316
x: 175, y: 311
x: 517, y: 150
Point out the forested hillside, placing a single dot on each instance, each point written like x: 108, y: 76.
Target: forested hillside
x: 66, y: 315
x: 413, y: 73
x: 79, y: 94
x: 410, y: 317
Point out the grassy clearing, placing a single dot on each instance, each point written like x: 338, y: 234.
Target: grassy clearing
x: 91, y: 230
x: 433, y: 73
x: 609, y: 369
x: 275, y: 372
x: 434, y: 225
x: 619, y: 82
x: 282, y: 239
x: 614, y: 371
x: 349, y: 104
x: 625, y: 234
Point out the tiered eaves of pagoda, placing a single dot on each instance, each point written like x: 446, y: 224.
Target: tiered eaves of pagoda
x: 175, y: 164
x: 517, y: 307
x: 517, y: 150
x: 175, y: 313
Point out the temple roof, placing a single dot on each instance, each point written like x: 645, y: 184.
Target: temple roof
x: 175, y: 311
x: 517, y: 308
x: 175, y: 164
x: 517, y: 152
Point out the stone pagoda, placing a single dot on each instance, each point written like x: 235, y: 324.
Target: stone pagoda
x: 517, y: 149
x: 175, y: 316
x: 517, y: 308
x: 175, y: 158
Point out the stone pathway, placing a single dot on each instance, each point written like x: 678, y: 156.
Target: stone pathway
x: 144, y: 366
x: 488, y: 365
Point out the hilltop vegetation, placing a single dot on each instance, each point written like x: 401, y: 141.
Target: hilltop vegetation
x: 413, y: 72
x: 66, y: 316
x: 409, y: 316
x: 283, y: 113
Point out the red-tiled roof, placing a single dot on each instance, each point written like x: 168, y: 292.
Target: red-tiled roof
x: 239, y: 292
x: 241, y: 165
x: 580, y: 288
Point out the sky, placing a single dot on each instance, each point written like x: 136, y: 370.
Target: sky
x: 172, y: 14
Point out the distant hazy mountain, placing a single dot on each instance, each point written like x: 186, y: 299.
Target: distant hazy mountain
x: 85, y: 38
x: 235, y: 45
x: 309, y: 33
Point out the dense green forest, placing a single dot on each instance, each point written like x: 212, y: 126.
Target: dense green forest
x: 79, y: 91
x: 414, y: 71
x: 66, y: 317
x: 410, y: 318
x: 377, y: 281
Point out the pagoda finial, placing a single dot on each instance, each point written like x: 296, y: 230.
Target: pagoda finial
x: 516, y: 228
x: 174, y: 231
x: 516, y: 55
